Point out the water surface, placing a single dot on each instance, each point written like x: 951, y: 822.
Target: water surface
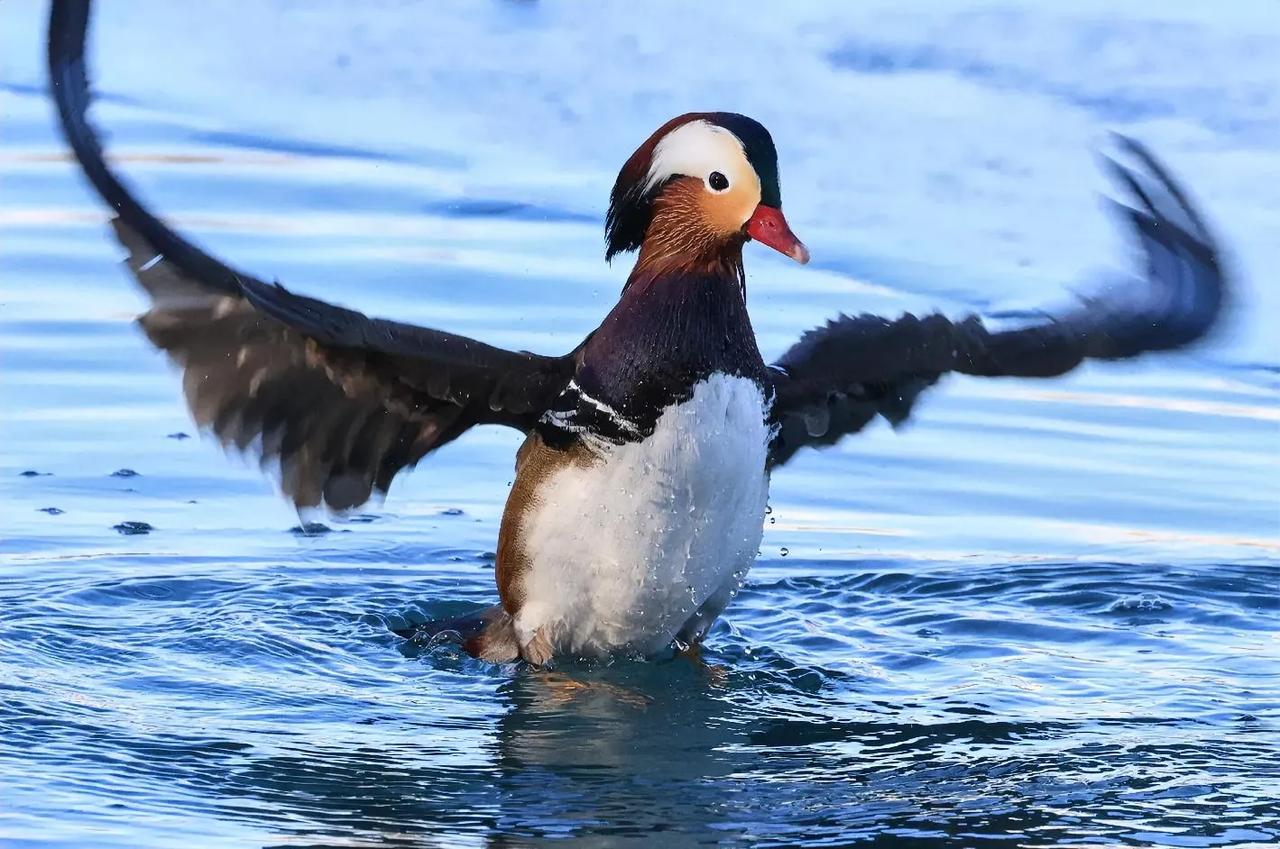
x: 1043, y: 613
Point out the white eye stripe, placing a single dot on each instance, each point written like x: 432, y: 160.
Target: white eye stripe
x: 695, y: 149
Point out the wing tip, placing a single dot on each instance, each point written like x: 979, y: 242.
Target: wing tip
x: 1186, y: 271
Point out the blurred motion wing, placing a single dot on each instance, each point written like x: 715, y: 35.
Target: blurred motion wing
x: 839, y: 377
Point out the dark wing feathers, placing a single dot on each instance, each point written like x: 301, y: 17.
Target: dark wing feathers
x: 340, y: 401
x: 343, y: 402
x: 839, y: 377
x: 513, y: 385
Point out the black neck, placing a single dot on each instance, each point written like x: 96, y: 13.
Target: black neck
x: 667, y: 333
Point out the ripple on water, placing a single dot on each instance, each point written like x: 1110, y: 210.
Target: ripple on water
x: 825, y: 706
x: 919, y: 657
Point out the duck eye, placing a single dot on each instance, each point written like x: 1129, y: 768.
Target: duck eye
x: 718, y: 182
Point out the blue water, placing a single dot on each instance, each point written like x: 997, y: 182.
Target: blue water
x: 1042, y: 614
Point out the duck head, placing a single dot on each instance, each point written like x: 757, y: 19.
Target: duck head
x: 698, y: 189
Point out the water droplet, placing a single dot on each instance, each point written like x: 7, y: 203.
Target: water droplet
x: 785, y: 551
x: 1143, y: 602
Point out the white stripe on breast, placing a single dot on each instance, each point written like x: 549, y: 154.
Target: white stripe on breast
x: 566, y: 419
x: 622, y: 553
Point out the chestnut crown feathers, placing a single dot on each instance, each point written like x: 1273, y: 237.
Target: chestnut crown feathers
x: 644, y: 175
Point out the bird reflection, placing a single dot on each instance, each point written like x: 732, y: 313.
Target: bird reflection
x: 615, y: 751
x: 620, y: 750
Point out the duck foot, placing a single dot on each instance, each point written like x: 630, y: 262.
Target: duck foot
x: 714, y: 673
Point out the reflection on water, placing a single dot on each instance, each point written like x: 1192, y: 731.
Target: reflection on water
x: 1042, y: 614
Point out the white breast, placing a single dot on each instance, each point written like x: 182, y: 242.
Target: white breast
x: 623, y: 553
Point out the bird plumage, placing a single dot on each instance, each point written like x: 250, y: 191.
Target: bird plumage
x: 640, y: 490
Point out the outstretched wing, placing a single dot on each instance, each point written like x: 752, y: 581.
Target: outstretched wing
x: 839, y: 377
x: 341, y: 401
